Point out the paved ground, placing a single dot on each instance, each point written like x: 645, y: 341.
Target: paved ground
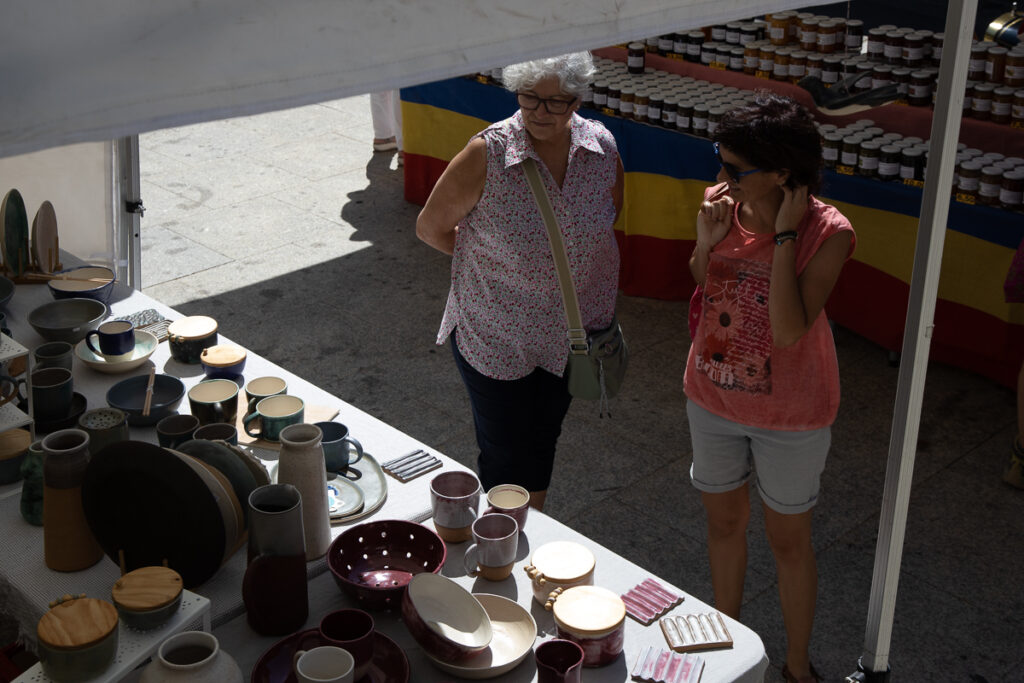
x: 295, y: 237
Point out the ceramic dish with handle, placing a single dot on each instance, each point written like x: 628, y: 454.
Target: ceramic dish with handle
x: 446, y: 620
x: 145, y: 345
x: 129, y: 395
x: 67, y: 320
x: 84, y: 282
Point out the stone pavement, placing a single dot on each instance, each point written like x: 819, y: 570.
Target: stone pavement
x: 288, y: 230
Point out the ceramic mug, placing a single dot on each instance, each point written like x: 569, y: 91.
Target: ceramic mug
x: 351, y: 630
x: 559, y: 661
x: 263, y: 387
x: 214, y: 400
x: 14, y: 392
x: 56, y: 354
x: 495, y: 542
x: 218, y: 431
x: 454, y: 501
x: 324, y: 664
x: 174, y: 430
x: 511, y: 500
x: 53, y: 390
x: 273, y: 414
x: 338, y: 445
x: 116, y: 339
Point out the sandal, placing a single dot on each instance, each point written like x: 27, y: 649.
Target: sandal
x: 814, y: 676
x: 1014, y: 474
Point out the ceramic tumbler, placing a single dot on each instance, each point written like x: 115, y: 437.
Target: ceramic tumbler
x: 104, y: 427
x: 351, y: 630
x: 301, y: 464
x: 454, y: 502
x: 511, y: 500
x: 274, y: 588
x: 68, y: 542
x: 174, y: 430
x: 192, y: 657
x: 56, y: 354
x: 218, y: 431
x: 493, y: 552
x: 53, y: 390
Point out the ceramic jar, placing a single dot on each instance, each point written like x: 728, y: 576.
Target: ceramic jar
x: 559, y: 564
x: 274, y: 589
x: 32, y: 485
x: 191, y: 657
x: 592, y: 617
x: 147, y: 597
x: 68, y: 542
x: 104, y: 427
x: 77, y: 638
x: 302, y: 465
x: 223, y: 361
x: 188, y: 337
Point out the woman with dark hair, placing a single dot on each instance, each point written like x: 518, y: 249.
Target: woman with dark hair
x: 762, y: 380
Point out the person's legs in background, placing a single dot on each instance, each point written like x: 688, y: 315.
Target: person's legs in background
x: 382, y: 112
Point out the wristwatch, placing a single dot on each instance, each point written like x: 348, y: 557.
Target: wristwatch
x: 781, y: 237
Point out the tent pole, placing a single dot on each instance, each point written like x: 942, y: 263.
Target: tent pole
x: 874, y: 664
x: 128, y: 212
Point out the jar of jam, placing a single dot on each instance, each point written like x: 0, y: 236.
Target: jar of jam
x: 826, y: 38
x: 872, y: 132
x: 919, y: 93
x: 863, y: 83
x: 830, y: 148
x: 765, y: 61
x: 587, y: 100
x: 815, y: 63
x: 715, y: 115
x: 751, y: 58
x: 840, y: 23
x: 854, y: 35
x: 995, y: 64
x: 831, y: 64
x: 699, y: 120
x: 912, y: 164
x: 627, y: 96
x: 640, y: 104
x: 968, y: 181
x: 666, y: 44
x: 600, y: 89
x: 888, y: 163
x: 732, y: 33
x: 979, y: 58
x: 778, y: 28
x: 612, y: 103
x: 668, y: 111
x: 718, y: 33
x: 654, y: 104
x: 651, y: 44
x: 736, y: 59
x: 678, y: 46
x: 850, y: 151
x: 1017, y: 109
x: 1011, y: 192
x: 694, y: 41
x: 911, y: 51
x: 868, y: 158
x: 881, y: 76
x: 1002, y: 105
x: 748, y: 33
x: 989, y: 185
x: 892, y: 53
x: 635, y: 58
x: 780, y: 69
x: 1013, y: 73
x: 981, y: 101
x: 937, y: 40
x: 797, y: 65
x: 876, y: 43
x: 809, y: 34
x: 708, y: 53
x: 684, y: 115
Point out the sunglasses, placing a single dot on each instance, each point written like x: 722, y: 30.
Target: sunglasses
x: 532, y: 102
x: 734, y: 173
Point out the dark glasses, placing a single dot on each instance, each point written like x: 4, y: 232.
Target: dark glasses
x: 734, y: 173
x: 553, y: 106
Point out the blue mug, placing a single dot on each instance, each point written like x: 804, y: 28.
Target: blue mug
x: 116, y: 339
x: 338, y: 446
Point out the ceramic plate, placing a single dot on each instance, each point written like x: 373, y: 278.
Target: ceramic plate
x: 365, y: 474
x: 514, y: 634
x: 343, y: 497
x: 14, y: 225
x: 275, y: 666
x: 44, y: 246
x: 145, y: 345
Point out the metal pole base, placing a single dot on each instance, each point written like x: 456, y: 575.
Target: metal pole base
x: 864, y: 676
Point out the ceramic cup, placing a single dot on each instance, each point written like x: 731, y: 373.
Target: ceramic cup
x: 53, y: 389
x: 56, y: 354
x: 218, y: 431
x: 338, y: 447
x: 495, y: 541
x: 454, y: 501
x: 262, y: 387
x: 114, y: 339
x: 104, y: 427
x: 559, y: 661
x: 214, y: 400
x: 351, y: 630
x: 174, y: 430
x: 511, y: 500
x: 324, y: 664
x: 273, y: 414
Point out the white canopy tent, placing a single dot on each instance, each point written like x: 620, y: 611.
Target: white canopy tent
x: 77, y: 71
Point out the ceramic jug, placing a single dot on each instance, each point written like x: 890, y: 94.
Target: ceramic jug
x: 302, y: 465
x: 274, y: 588
x: 559, y: 661
x: 32, y: 485
x: 68, y: 543
x: 191, y: 657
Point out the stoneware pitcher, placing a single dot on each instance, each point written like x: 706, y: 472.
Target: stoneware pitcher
x: 68, y: 543
x: 274, y: 588
x: 191, y: 657
x: 302, y: 465
x: 559, y: 661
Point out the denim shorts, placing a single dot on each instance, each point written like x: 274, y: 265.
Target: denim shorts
x: 788, y: 465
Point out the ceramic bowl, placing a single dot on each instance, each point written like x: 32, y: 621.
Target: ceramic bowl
x: 129, y: 395
x: 67, y: 320
x: 145, y: 344
x: 444, y: 618
x: 6, y: 291
x: 147, y: 597
x: 84, y: 282
x: 223, y: 361
x: 375, y: 561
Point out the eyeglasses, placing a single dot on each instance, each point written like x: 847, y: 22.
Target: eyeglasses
x: 734, y: 173
x: 552, y: 106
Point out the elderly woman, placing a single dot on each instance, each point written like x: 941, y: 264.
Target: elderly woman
x: 504, y: 313
x: 762, y: 380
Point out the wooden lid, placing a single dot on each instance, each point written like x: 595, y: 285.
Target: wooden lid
x: 75, y: 623
x: 563, y: 561
x: 589, y: 609
x: 222, y: 355
x: 147, y: 588
x: 192, y: 327
x: 14, y: 442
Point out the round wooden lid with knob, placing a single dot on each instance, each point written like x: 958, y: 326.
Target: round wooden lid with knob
x: 147, y: 588
x: 76, y: 622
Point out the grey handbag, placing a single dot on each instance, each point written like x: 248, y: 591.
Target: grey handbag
x: 598, y: 360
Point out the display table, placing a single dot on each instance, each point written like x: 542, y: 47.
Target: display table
x: 666, y: 173
x: 26, y: 585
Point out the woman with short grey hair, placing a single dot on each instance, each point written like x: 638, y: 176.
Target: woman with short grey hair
x: 504, y: 313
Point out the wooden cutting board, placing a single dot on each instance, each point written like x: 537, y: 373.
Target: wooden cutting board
x: 312, y: 414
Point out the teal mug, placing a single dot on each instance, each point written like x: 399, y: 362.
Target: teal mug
x: 273, y: 414
x: 263, y: 387
x: 338, y: 446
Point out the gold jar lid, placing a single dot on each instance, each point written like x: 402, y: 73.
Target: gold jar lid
x: 192, y: 327
x: 563, y: 561
x: 147, y: 588
x: 76, y: 622
x: 222, y: 355
x: 589, y: 610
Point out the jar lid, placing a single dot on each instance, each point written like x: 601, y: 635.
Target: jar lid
x: 192, y: 327
x: 222, y: 355
x: 147, y: 588
x: 563, y: 561
x: 589, y: 609
x: 74, y: 623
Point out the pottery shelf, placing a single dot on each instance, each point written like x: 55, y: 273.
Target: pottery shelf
x: 10, y: 416
x: 135, y: 647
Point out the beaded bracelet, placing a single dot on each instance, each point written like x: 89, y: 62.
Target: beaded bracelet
x: 783, y: 236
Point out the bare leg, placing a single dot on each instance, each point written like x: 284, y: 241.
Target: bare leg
x: 790, y: 539
x: 537, y: 499
x: 728, y: 515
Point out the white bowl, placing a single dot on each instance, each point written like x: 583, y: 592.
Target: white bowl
x: 445, y: 618
x: 145, y: 345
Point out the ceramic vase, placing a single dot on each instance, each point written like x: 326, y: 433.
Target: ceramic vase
x: 32, y: 485
x: 274, y: 588
x: 302, y: 466
x: 191, y: 657
x: 68, y: 543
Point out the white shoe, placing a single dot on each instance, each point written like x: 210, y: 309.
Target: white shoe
x: 384, y: 144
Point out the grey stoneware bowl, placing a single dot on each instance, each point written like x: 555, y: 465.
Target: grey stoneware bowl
x: 129, y: 395
x: 67, y: 320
